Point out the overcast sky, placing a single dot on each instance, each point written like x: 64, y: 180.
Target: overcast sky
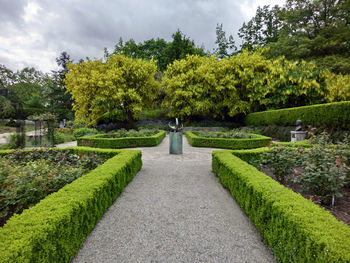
x: 35, y: 32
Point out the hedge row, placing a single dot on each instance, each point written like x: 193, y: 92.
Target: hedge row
x: 335, y: 114
x: 294, y: 227
x: 256, y: 142
x: 97, y: 141
x: 55, y: 228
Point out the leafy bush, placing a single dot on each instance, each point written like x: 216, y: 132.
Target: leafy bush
x: 122, y: 133
x: 12, y: 141
x: 84, y: 131
x: 118, y: 140
x: 54, y: 229
x: 322, y: 170
x: 233, y: 134
x: 335, y: 114
x: 255, y: 141
x: 123, y: 84
x: 295, y: 228
x: 27, y: 177
x: 59, y: 137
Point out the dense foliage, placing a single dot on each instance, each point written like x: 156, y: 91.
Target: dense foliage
x: 122, y: 133
x: 119, y: 139
x: 27, y: 177
x: 215, y: 140
x: 121, y: 84
x: 163, y: 52
x: 319, y: 170
x: 335, y: 114
x: 295, y: 228
x: 205, y: 86
x: 64, y: 219
x: 233, y: 134
x: 313, y: 30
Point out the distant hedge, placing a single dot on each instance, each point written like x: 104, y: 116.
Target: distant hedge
x: 256, y: 142
x: 294, y: 227
x: 54, y: 229
x: 335, y: 114
x: 97, y: 141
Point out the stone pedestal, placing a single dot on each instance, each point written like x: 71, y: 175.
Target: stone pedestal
x: 297, y: 136
x: 175, y: 142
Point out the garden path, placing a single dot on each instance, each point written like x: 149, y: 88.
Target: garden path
x: 174, y: 210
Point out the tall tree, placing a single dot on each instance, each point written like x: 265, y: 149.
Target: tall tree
x: 226, y: 46
x: 263, y: 28
x: 60, y: 100
x: 314, y: 30
x: 122, y: 86
x: 163, y: 52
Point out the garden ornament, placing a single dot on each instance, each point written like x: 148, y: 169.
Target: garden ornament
x: 298, y: 124
x: 175, y: 138
x: 176, y: 127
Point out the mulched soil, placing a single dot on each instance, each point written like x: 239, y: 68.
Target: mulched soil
x: 341, y: 209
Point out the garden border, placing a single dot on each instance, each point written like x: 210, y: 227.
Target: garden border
x: 117, y: 143
x: 294, y: 227
x: 259, y: 141
x: 54, y: 229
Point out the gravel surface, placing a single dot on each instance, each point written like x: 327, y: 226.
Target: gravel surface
x: 174, y: 210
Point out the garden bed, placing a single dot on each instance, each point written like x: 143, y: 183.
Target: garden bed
x: 54, y: 229
x: 294, y: 227
x: 123, y: 139
x: 222, y: 140
x: 26, y: 177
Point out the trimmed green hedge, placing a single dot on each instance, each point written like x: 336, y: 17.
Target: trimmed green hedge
x: 258, y: 141
x: 335, y: 114
x: 97, y: 141
x: 294, y: 227
x: 55, y: 228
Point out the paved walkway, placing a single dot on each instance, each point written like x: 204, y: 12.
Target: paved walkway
x: 174, y: 210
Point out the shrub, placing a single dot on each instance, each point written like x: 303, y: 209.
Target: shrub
x: 335, y: 114
x: 54, y: 229
x: 84, y: 131
x: 294, y: 227
x: 233, y: 134
x: 322, y: 167
x: 111, y: 141
x: 27, y: 177
x: 59, y: 137
x: 255, y: 142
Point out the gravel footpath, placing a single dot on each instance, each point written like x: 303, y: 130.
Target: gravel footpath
x: 174, y: 210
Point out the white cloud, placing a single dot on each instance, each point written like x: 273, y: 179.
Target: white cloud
x: 35, y: 32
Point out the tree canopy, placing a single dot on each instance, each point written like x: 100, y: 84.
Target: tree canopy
x: 313, y: 30
x: 161, y: 51
x: 122, y: 84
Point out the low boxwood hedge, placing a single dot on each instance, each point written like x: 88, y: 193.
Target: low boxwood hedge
x: 335, y: 114
x: 98, y: 141
x: 256, y: 142
x: 55, y: 228
x: 294, y: 227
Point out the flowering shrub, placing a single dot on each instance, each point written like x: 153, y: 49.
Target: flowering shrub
x: 320, y: 170
x: 27, y: 177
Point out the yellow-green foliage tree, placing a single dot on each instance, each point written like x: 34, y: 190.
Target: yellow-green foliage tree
x: 284, y: 84
x: 338, y: 87
x: 121, y: 83
x: 190, y: 85
x: 201, y: 86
